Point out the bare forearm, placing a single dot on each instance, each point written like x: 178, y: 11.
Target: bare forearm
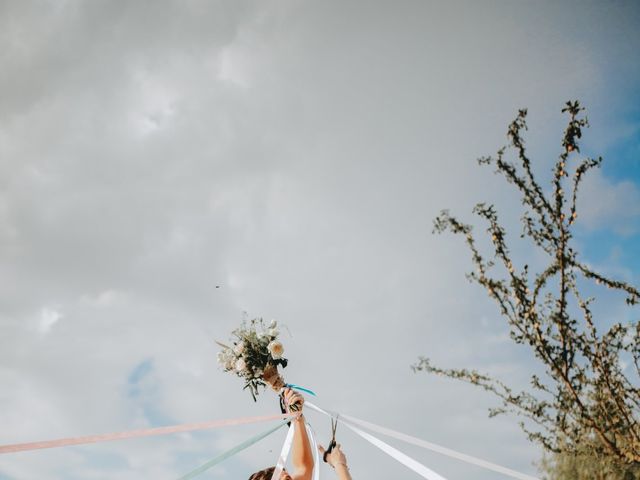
x: 301, y: 455
x: 343, y: 472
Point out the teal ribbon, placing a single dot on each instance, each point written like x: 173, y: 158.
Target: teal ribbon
x: 302, y: 389
x: 230, y: 453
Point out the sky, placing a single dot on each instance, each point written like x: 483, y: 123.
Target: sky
x: 293, y: 154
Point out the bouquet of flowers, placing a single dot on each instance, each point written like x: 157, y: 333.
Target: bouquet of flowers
x: 255, y: 355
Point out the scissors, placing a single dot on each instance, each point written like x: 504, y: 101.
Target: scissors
x: 332, y: 444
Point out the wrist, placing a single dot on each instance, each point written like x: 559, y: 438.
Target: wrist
x: 339, y: 465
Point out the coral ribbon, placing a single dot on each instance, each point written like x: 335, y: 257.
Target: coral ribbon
x: 63, y: 442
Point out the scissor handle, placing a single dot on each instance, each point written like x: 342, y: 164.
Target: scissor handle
x: 328, y: 450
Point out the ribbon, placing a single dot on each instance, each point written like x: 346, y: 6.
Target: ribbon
x: 396, y: 454
x: 316, y: 452
x: 428, y: 445
x: 347, y: 420
x: 63, y: 442
x: 286, y: 447
x: 437, y: 448
x: 231, y: 452
x: 386, y: 448
x: 302, y: 389
x: 284, y: 454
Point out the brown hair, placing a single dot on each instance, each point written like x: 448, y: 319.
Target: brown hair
x: 265, y: 474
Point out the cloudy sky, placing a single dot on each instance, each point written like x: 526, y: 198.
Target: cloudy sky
x: 293, y: 153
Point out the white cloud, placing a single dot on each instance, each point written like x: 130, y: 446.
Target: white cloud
x: 153, y: 104
x: 106, y: 298
x: 607, y: 204
x: 233, y: 68
x: 48, y: 318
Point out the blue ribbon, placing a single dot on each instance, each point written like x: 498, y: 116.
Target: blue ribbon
x: 233, y: 451
x: 302, y: 389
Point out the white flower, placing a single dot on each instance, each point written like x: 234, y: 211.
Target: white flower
x: 227, y: 359
x: 273, y: 332
x: 222, y: 358
x: 240, y: 365
x: 239, y: 348
x: 273, y: 324
x: 275, y: 349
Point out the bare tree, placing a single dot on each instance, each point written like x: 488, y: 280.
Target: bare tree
x: 587, y: 399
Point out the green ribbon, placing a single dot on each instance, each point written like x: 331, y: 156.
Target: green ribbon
x: 230, y: 453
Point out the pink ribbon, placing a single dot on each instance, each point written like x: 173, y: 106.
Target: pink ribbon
x: 147, y: 432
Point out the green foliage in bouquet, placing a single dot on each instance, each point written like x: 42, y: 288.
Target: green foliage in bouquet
x: 255, y: 355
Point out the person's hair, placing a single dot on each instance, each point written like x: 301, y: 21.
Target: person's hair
x: 265, y: 474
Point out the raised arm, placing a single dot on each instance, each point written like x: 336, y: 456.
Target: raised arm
x: 301, y: 454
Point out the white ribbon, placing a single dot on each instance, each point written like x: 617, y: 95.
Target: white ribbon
x: 286, y: 448
x: 284, y: 454
x: 407, y: 461
x: 318, y: 409
x: 346, y: 419
x: 316, y: 455
x: 437, y: 448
